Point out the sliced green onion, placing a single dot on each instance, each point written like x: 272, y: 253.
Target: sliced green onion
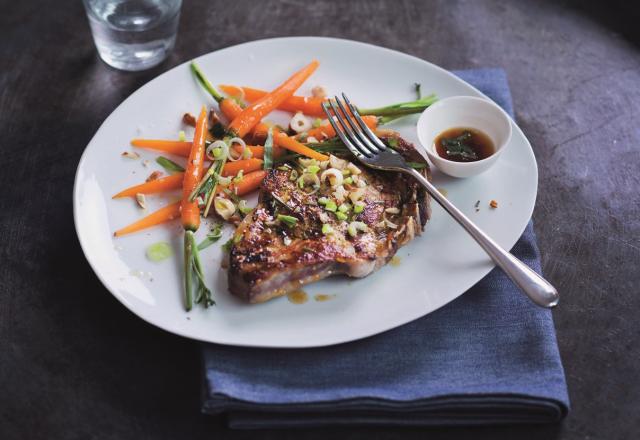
x: 358, y: 207
x: 345, y: 207
x: 354, y: 227
x: 331, y: 206
x: 417, y: 165
x: 323, y: 201
x: 169, y: 165
x: 313, y: 169
x: 341, y: 215
x: 317, y: 123
x: 182, y: 136
x: 327, y: 229
x: 212, y: 237
x: 287, y: 220
x: 159, y: 251
x: 308, y: 179
x: 239, y: 177
x: 243, y: 208
x: 268, y: 150
x: 224, y: 207
x: 348, y: 181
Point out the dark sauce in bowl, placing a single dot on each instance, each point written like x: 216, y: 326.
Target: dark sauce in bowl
x: 462, y: 144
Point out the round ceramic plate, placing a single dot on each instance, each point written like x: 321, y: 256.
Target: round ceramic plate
x: 431, y: 271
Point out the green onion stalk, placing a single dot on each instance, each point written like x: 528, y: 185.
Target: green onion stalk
x: 394, y: 111
x: 205, y: 83
x: 208, y: 184
x: 193, y: 266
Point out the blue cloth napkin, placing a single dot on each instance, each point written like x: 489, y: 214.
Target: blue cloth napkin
x: 489, y: 357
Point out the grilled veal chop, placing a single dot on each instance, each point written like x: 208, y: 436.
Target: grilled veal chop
x: 350, y: 224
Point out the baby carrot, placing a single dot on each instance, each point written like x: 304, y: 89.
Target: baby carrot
x: 246, y: 165
x: 179, y: 148
x: 306, y: 104
x: 281, y: 140
x: 249, y: 182
x: 163, y: 184
x: 257, y: 151
x: 191, y: 218
x: 250, y: 116
x: 193, y: 174
x: 229, y: 107
x: 158, y: 217
x: 284, y: 141
x: 327, y: 131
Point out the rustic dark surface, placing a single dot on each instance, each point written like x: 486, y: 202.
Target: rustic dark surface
x: 76, y: 364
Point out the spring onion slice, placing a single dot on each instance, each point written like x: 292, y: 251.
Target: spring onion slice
x: 217, y: 150
x: 169, y: 165
x: 212, y: 237
x: 268, y: 150
x: 288, y: 220
x: 239, y: 141
x: 417, y: 165
x: 159, y: 251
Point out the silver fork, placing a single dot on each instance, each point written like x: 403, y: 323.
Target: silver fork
x: 372, y: 152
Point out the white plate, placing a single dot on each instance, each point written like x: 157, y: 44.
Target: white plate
x: 434, y: 269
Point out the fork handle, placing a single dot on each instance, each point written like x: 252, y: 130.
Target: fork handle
x: 539, y: 290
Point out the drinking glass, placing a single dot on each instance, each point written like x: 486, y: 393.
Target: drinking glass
x: 133, y: 34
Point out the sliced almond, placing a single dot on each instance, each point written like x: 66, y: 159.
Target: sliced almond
x: 131, y: 155
x: 142, y: 201
x: 154, y: 176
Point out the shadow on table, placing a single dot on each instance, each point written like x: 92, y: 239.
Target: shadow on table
x: 621, y: 16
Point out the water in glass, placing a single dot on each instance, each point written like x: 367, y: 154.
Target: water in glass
x: 133, y: 34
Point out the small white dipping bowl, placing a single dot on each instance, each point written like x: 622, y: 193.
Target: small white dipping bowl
x: 465, y: 112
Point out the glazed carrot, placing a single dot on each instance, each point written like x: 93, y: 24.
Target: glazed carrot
x: 260, y: 131
x: 257, y: 151
x: 246, y: 165
x: 249, y: 182
x: 284, y: 141
x: 280, y: 139
x: 163, y: 184
x: 306, y: 104
x: 193, y: 174
x: 179, y: 148
x: 229, y: 107
x: 158, y: 217
x: 190, y: 213
x: 327, y: 131
x: 250, y: 116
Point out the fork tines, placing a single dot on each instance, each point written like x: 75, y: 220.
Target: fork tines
x: 351, y: 129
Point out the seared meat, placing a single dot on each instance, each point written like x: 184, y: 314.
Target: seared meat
x: 271, y: 258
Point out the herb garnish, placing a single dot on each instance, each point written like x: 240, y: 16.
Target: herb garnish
x: 169, y: 165
x: 212, y: 237
x: 268, y: 150
x: 457, y: 147
x: 288, y: 220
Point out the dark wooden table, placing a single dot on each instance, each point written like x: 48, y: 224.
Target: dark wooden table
x: 76, y: 364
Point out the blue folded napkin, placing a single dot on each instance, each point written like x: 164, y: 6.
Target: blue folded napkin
x: 489, y: 357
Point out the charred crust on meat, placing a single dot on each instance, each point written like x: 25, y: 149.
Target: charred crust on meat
x: 262, y: 267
